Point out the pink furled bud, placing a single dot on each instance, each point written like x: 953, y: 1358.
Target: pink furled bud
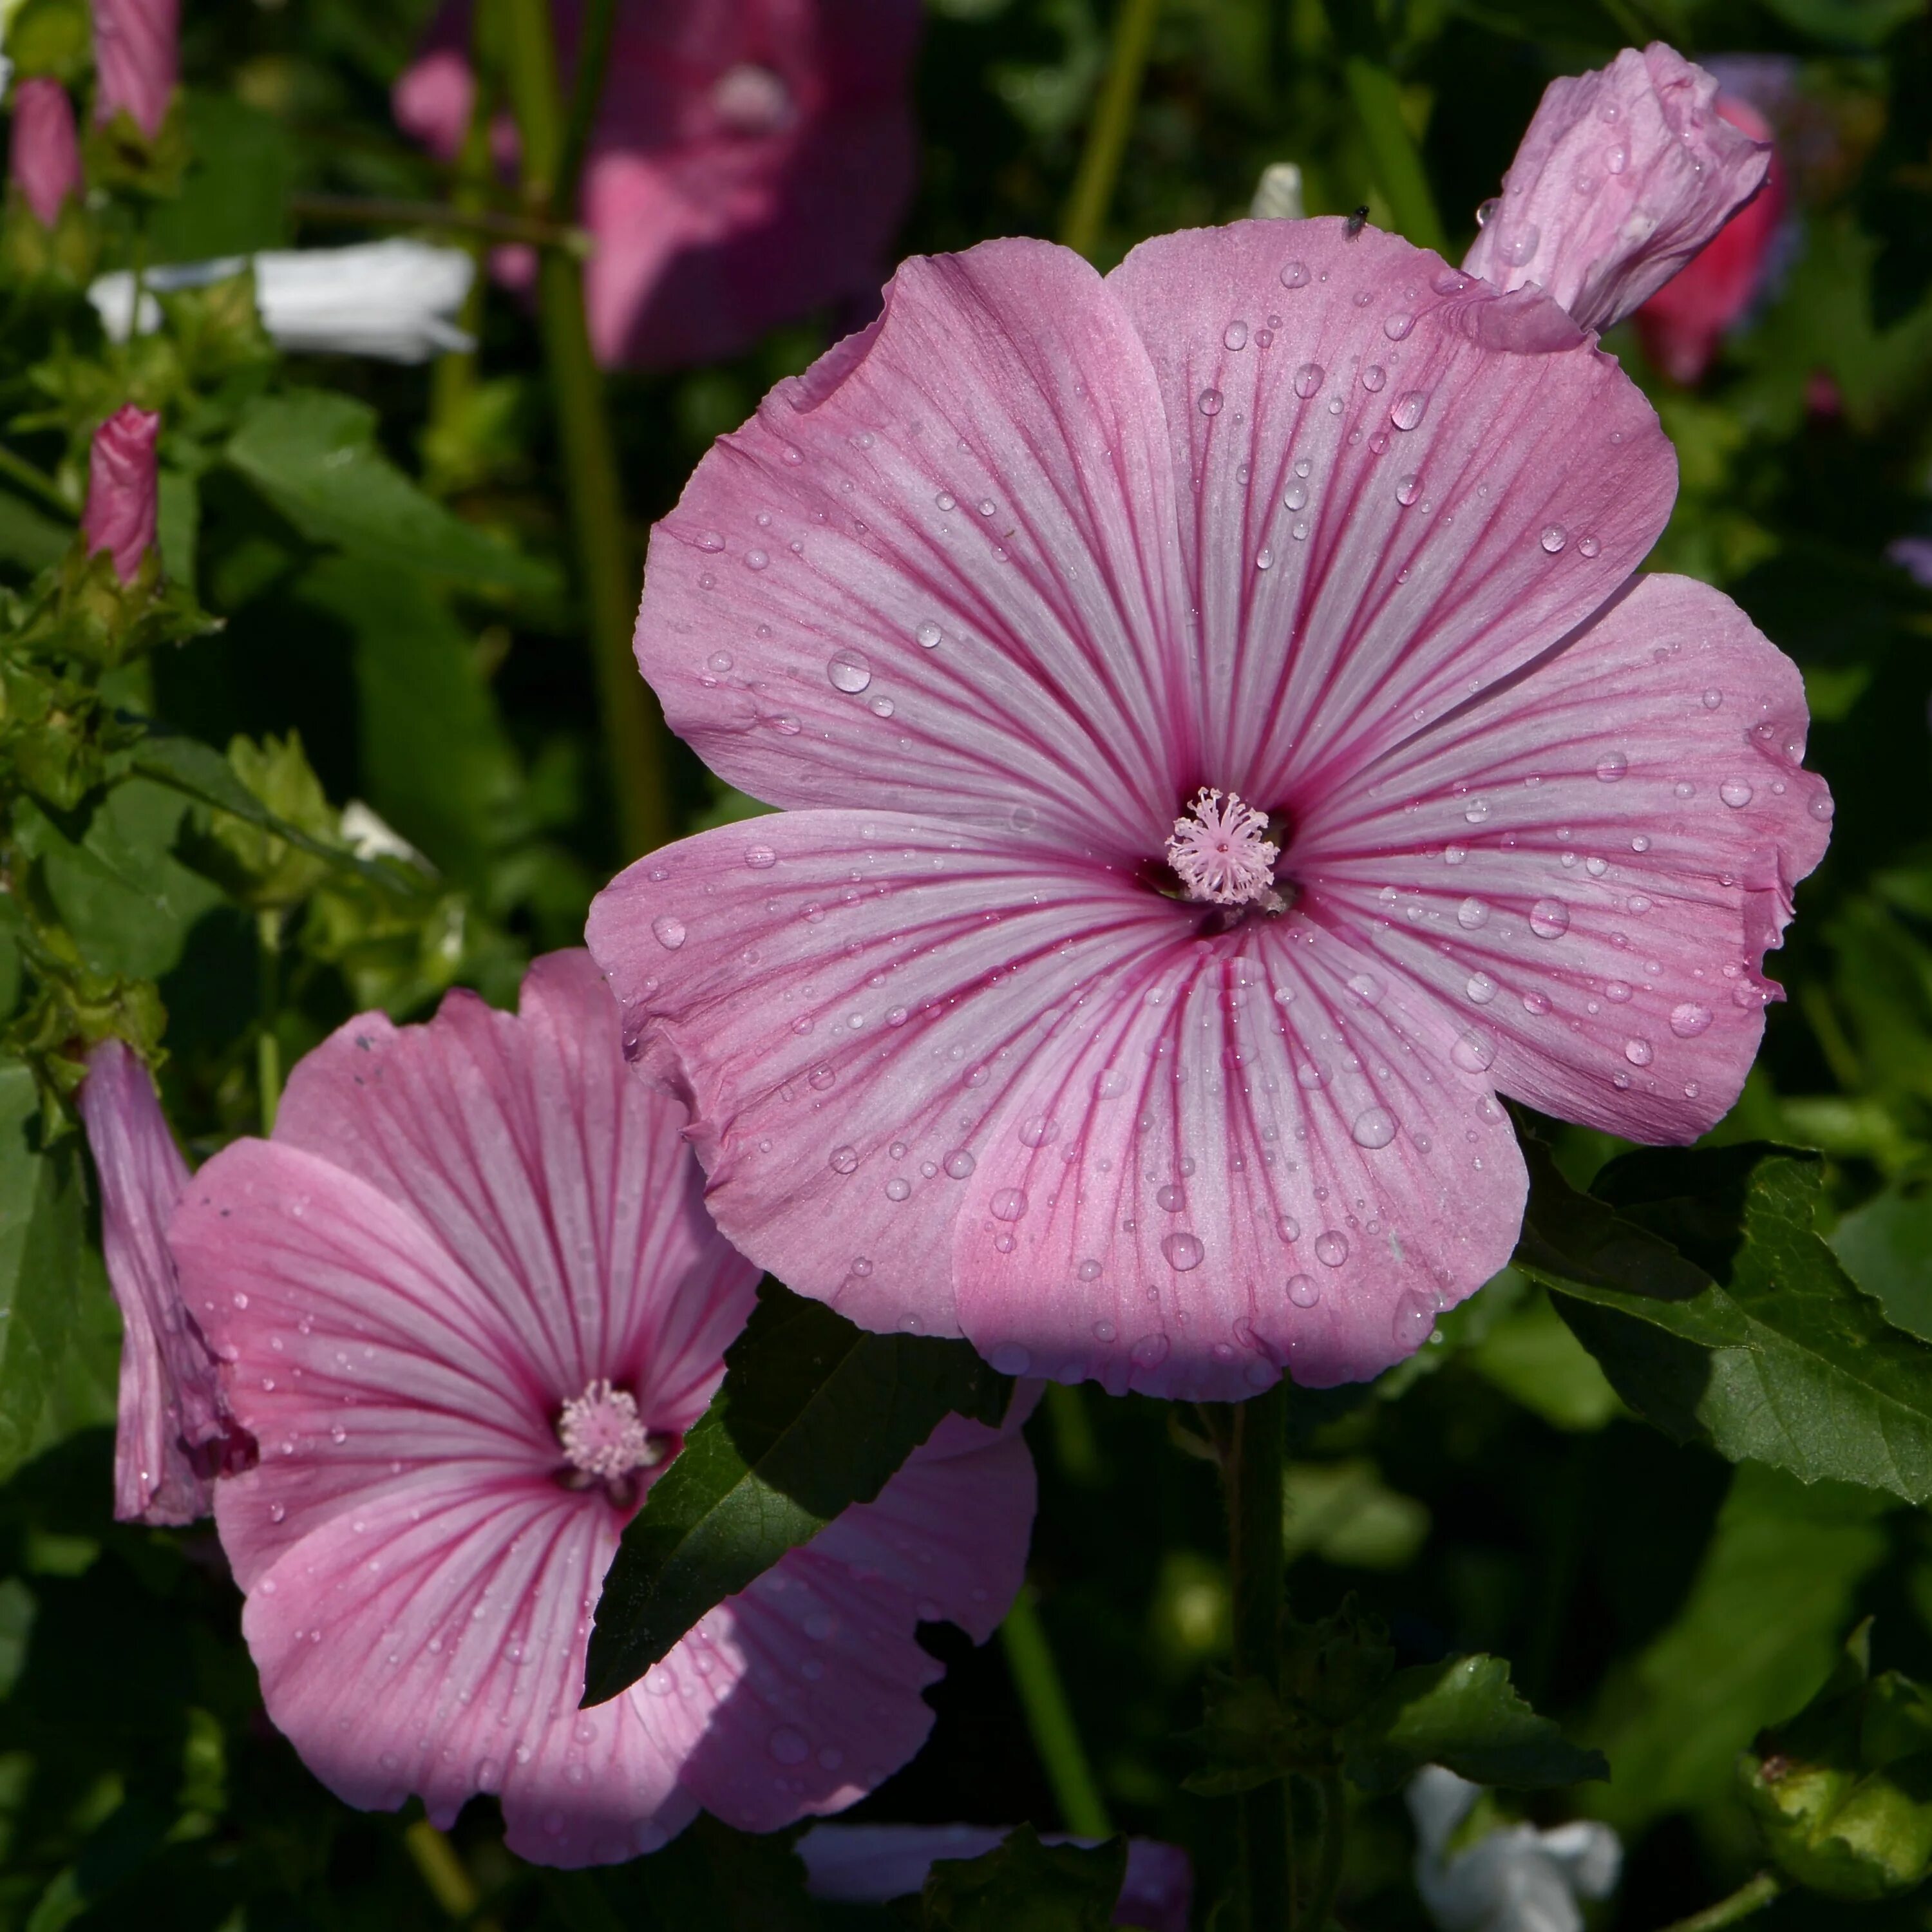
x: 1682, y: 325
x: 1623, y: 175
x: 136, y: 52
x: 122, y: 489
x: 45, y: 158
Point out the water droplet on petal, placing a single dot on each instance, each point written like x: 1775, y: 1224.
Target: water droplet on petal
x: 1471, y: 913
x: 844, y: 1159
x: 1588, y: 546
x: 1481, y: 989
x: 958, y: 1164
x: 1234, y: 336
x: 1822, y: 805
x: 1396, y: 326
x: 1265, y: 559
x: 849, y: 670
x: 928, y: 635
x: 1209, y: 401
x: 897, y: 1189
x: 1474, y: 1052
x: 1008, y: 1205
x: 1308, y: 378
x: 1410, y: 1325
x: 1736, y: 793
x: 1173, y: 1199
x: 1331, y: 1248
x: 1612, y: 767
x: 1638, y: 1052
x: 1522, y: 245
x: 1183, y: 1251
x: 1304, y: 1290
x: 1550, y: 919
x: 1295, y: 275
x: 1554, y: 537
x: 1689, y: 1020
x: 1408, y: 490
x: 1373, y: 377
x: 668, y: 930
x: 947, y: 500
x: 1375, y: 1127
x: 1712, y: 699
x: 1408, y: 410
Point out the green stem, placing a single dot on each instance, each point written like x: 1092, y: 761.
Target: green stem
x: 268, y: 1045
x: 1107, y: 132
x: 1392, y: 149
x: 1253, y: 1472
x: 593, y: 61
x: 1753, y: 1895
x: 486, y: 224
x: 1050, y: 1718
x: 42, y: 485
x: 1334, y: 1842
x: 440, y: 1866
x: 633, y: 734
x: 1074, y: 1445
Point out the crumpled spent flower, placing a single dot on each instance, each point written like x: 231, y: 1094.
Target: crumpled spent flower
x: 396, y: 301
x: 1622, y: 176
x: 750, y: 163
x: 175, y: 1433
x: 136, y: 59
x: 43, y: 152
x: 124, y: 490
x: 469, y: 1301
x: 988, y: 596
x: 871, y: 1864
x: 1515, y: 1879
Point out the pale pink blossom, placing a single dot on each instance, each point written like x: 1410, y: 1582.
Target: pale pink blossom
x: 988, y: 596
x: 869, y: 1865
x: 1623, y: 175
x: 123, y: 490
x: 44, y: 153
x: 750, y: 164
x: 175, y: 1433
x: 136, y: 59
x: 469, y: 1301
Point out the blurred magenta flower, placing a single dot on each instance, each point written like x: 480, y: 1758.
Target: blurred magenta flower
x: 175, y: 1433
x: 123, y: 490
x: 751, y: 163
x: 43, y: 153
x: 988, y: 596
x: 1623, y: 175
x: 1682, y: 325
x: 869, y: 1865
x: 469, y: 1301
x: 136, y: 59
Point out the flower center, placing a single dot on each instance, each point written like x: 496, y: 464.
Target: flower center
x: 603, y: 1437
x: 1221, y: 852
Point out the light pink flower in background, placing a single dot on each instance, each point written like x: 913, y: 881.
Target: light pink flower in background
x: 136, y: 59
x: 1682, y: 325
x: 869, y: 1865
x: 750, y: 164
x: 44, y: 153
x: 123, y: 490
x: 1912, y: 555
x: 988, y: 596
x: 1623, y: 175
x: 175, y: 1434
x: 469, y: 1301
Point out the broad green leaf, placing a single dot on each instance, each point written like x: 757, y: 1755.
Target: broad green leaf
x: 1344, y: 1513
x: 1847, y: 23
x: 1022, y: 1885
x: 1532, y: 1355
x: 29, y: 537
x: 1886, y: 1245
x: 1392, y: 148
x: 1756, y: 1635
x: 40, y: 1222
x: 1463, y: 1713
x: 814, y: 1415
x: 234, y: 198
x: 314, y: 454
x: 1700, y: 1285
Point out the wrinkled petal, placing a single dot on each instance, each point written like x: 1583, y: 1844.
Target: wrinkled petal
x: 1586, y: 868
x: 175, y: 1433
x: 43, y: 149
x: 1623, y: 175
x: 123, y: 490
x: 1172, y: 1163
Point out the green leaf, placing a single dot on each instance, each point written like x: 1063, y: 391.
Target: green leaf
x: 1887, y: 1246
x: 1463, y: 1713
x: 28, y: 537
x: 1719, y: 1314
x: 234, y: 198
x: 40, y: 1222
x: 1392, y: 148
x: 1755, y: 1636
x: 1847, y: 23
x: 1344, y: 1513
x: 1530, y: 1355
x: 814, y: 1415
x: 1022, y: 1885
x: 313, y: 454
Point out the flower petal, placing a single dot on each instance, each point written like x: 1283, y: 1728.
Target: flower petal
x: 938, y: 573
x: 432, y: 1641
x: 1588, y: 866
x: 1623, y: 175
x: 563, y: 1190
x: 875, y: 1074
x: 1394, y: 485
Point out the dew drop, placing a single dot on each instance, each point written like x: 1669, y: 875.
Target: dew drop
x: 1408, y: 490
x: 1481, y: 989
x: 849, y: 670
x: 1588, y: 546
x: 1613, y: 767
x: 1234, y: 336
x: 958, y: 1164
x: 1173, y: 1199
x: 1304, y: 1290
x: 1265, y: 559
x: 1476, y: 810
x: 1295, y: 275
x: 1410, y: 1325
x: 1008, y: 1205
x: 1689, y: 1020
x: 1474, y: 1052
x: 898, y: 1188
x: 1408, y: 410
x: 1736, y: 793
x: 947, y: 500
x: 1638, y: 1052
x: 1471, y: 913
x: 1308, y: 378
x: 1554, y: 537
x: 668, y: 930
x: 1373, y: 377
x: 844, y: 1159
x: 1396, y: 326
x: 1712, y: 699
x: 1550, y: 919
x: 1375, y: 1127
x: 928, y: 634
x: 1522, y: 245
x: 1184, y: 1251
x: 1822, y: 805
x: 1210, y: 402
x: 1331, y: 1248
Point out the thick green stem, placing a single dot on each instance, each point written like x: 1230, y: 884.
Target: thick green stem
x: 1107, y: 132
x: 1049, y: 1717
x: 268, y: 1045
x: 634, y: 734
x: 593, y: 61
x: 1256, y: 1460
x: 1753, y: 1896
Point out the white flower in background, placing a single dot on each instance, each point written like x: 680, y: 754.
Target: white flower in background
x: 1515, y: 1879
x: 369, y: 835
x: 1278, y: 194
x: 395, y: 300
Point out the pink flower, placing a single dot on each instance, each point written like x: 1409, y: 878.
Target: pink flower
x: 175, y: 1433
x: 988, y: 596
x: 751, y: 163
x: 122, y: 490
x: 136, y: 58
x: 44, y: 158
x: 1682, y: 324
x: 868, y: 1864
x: 1623, y: 175
x: 469, y: 1301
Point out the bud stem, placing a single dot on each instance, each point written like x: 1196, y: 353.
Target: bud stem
x: 1753, y: 1895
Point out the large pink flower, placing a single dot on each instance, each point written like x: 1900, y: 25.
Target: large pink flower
x: 988, y: 1034
x: 469, y: 1301
x: 137, y: 60
x: 750, y: 164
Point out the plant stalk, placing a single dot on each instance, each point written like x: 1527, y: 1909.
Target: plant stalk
x: 1314, y: 1915
x: 1107, y: 133
x: 268, y: 1045
x: 1049, y: 1717
x: 1753, y: 1896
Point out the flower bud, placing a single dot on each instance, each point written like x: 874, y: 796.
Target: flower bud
x: 44, y: 160
x: 137, y: 54
x: 122, y: 489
